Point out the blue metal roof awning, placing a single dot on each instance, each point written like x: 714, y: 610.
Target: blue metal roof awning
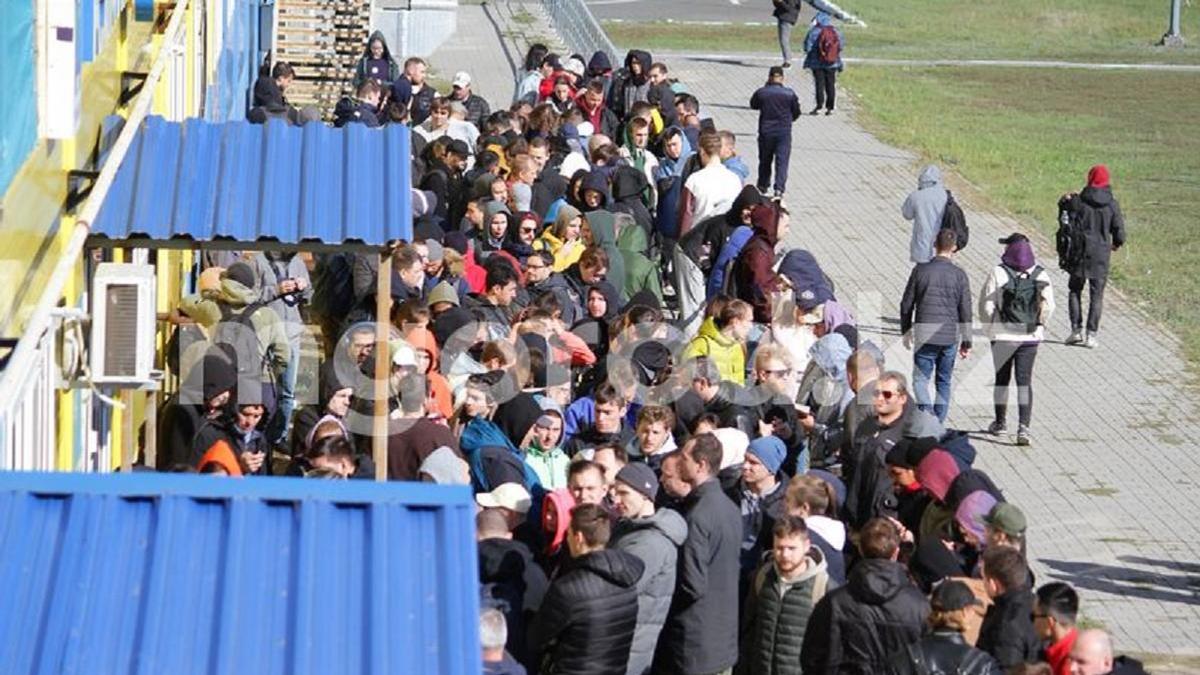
x: 242, y: 185
x: 158, y: 573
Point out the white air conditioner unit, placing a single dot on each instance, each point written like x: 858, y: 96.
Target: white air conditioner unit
x: 123, y: 324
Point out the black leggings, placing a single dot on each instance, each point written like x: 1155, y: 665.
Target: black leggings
x: 1009, y: 357
x: 825, y: 80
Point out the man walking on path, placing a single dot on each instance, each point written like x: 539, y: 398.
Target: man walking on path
x: 787, y: 13
x: 823, y: 47
x: 778, y: 107
x: 700, y: 636
x: 1096, y: 217
x: 938, y: 297
x: 924, y: 207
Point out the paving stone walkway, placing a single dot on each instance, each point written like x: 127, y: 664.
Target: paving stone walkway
x: 1110, y: 484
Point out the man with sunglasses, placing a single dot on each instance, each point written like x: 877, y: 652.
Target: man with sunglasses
x: 868, y: 484
x: 540, y: 278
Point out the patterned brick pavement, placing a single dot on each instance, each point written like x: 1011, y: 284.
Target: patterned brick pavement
x: 1109, y: 485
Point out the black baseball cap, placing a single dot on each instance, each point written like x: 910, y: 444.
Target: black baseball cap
x: 1013, y: 238
x: 951, y: 595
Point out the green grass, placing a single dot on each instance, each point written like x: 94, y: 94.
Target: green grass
x: 1024, y: 136
x: 1084, y: 30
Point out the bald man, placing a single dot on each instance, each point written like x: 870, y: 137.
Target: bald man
x: 1093, y: 655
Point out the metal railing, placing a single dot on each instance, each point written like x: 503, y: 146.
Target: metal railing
x: 28, y: 409
x: 27, y: 428
x: 579, y: 29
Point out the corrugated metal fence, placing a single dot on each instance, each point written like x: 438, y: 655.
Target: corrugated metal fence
x: 152, y: 573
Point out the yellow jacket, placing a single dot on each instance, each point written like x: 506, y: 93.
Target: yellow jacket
x: 725, y: 352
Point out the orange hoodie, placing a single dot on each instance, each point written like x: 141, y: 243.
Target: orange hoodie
x: 222, y: 455
x: 422, y: 338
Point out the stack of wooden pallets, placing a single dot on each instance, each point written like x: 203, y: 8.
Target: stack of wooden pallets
x: 323, y: 40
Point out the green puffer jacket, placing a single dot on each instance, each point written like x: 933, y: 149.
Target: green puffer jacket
x: 776, y: 616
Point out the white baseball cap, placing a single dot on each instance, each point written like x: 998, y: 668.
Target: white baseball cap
x: 403, y: 355
x: 461, y: 79
x: 509, y: 496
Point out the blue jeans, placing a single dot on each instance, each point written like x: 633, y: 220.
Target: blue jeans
x: 925, y: 360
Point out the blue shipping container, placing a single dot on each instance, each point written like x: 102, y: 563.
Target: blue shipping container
x: 157, y: 573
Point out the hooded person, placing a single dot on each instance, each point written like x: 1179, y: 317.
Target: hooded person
x: 333, y: 398
x: 253, y: 334
x: 629, y: 188
x: 668, y: 181
x: 1099, y: 229
x: 1015, y: 305
x: 754, y: 269
x: 600, y: 67
x: 948, y: 485
x: 924, y: 207
x: 564, y: 239
x: 603, y: 225
x: 632, y: 83
x: 641, y: 273
x: 201, y: 397
x: 594, y: 192
x: 642, y: 159
x: 425, y: 345
x: 376, y: 63
x: 826, y: 390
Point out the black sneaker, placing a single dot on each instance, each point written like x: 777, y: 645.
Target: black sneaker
x: 815, y: 111
x: 997, y: 427
x: 787, y: 64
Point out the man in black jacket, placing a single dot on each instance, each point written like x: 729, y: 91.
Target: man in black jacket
x: 1098, y: 216
x: 778, y: 107
x: 1007, y: 632
x: 588, y: 616
x: 938, y: 298
x: 515, y: 578
x: 787, y: 13
x: 857, y: 628
x: 701, y: 633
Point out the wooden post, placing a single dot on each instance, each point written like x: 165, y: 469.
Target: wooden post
x: 128, y: 441
x: 383, y: 363
x: 151, y: 428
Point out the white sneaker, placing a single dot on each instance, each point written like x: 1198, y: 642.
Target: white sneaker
x: 1075, y: 338
x: 1091, y: 342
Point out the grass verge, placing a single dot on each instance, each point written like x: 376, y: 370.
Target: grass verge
x: 1024, y: 136
x: 1082, y: 30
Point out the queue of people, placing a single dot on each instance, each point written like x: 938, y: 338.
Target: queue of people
x: 686, y: 456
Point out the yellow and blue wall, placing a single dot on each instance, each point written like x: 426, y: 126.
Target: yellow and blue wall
x: 219, y: 61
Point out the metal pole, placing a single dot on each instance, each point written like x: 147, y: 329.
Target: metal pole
x: 1173, y: 38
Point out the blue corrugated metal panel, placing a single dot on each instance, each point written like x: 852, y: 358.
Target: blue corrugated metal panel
x: 202, y: 181
x: 152, y: 573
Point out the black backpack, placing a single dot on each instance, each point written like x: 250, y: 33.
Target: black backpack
x: 1070, y: 240
x: 237, y: 336
x: 1021, y: 299
x: 953, y: 218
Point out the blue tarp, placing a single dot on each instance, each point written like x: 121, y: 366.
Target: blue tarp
x: 202, y: 181
x: 18, y: 99
x: 157, y: 573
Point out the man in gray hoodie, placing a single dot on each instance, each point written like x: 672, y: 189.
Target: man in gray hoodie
x: 655, y: 538
x: 924, y: 207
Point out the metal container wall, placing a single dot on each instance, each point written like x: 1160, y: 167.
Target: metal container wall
x: 156, y: 573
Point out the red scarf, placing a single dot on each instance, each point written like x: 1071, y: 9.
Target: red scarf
x: 1059, y: 654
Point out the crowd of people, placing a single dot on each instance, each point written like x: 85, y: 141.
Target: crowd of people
x: 686, y: 457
